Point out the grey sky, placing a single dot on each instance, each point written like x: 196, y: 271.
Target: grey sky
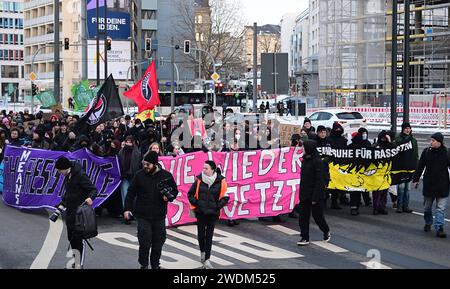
x: 271, y: 11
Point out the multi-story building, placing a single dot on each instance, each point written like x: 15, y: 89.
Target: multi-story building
x: 356, y: 52
x: 286, y: 24
x: 12, y: 83
x: 268, y: 42
x: 39, y: 38
x: 304, y: 54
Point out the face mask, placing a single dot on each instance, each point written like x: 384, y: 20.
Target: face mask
x: 364, y: 136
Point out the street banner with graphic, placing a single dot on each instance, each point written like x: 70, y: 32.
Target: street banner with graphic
x: 369, y: 169
x: 145, y: 92
x: 82, y: 95
x: 30, y: 180
x: 104, y: 107
x: 47, y: 99
x: 148, y: 114
x: 260, y: 183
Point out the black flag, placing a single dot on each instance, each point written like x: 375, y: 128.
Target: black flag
x: 104, y: 107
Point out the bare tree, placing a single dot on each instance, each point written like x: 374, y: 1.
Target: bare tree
x: 269, y: 43
x: 217, y: 30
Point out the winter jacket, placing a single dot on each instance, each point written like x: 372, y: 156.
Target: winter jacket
x: 436, y: 180
x: 312, y: 181
x: 78, y: 188
x: 336, y: 140
x: 146, y: 196
x: 403, y: 138
x: 208, y: 200
x: 135, y: 163
x: 40, y: 144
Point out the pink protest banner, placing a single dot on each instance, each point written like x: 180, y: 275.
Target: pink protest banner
x: 260, y: 183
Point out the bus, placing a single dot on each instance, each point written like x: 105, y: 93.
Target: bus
x: 233, y: 100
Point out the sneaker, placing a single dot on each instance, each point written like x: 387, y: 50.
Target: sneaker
x: 208, y: 265
x: 399, y: 210
x: 303, y: 242
x: 327, y: 237
x: 440, y: 233
x: 230, y: 223
x: 375, y: 212
x: 235, y: 222
x: 427, y: 228
x: 202, y: 257
x: 394, y: 205
x: 407, y: 210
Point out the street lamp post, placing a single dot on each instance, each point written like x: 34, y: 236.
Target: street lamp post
x: 32, y: 69
x: 214, y: 68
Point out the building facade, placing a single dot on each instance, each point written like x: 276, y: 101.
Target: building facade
x: 268, y: 42
x: 12, y: 83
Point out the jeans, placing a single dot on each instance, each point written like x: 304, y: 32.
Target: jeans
x: 403, y: 195
x: 306, y: 208
x: 124, y: 190
x: 441, y: 204
x: 151, y: 234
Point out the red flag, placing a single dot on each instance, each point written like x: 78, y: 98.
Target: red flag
x: 145, y: 92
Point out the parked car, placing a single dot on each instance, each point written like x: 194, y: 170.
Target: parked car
x: 351, y: 121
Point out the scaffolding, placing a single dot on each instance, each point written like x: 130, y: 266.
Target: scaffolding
x: 356, y: 51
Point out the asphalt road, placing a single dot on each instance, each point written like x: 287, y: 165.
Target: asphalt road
x: 398, y: 240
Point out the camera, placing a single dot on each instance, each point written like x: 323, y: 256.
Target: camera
x: 59, y: 210
x: 166, y: 191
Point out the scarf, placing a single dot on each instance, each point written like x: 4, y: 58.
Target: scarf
x: 209, y: 180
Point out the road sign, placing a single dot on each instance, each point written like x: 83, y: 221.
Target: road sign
x: 33, y: 76
x: 215, y: 76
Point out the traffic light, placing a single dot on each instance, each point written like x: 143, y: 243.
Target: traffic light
x: 108, y: 44
x: 219, y: 87
x: 66, y: 44
x: 187, y: 47
x: 148, y: 44
x: 34, y: 89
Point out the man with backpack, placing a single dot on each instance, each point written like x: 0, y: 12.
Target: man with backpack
x: 79, y: 189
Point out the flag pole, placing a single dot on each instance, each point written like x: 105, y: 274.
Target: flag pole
x: 161, y: 126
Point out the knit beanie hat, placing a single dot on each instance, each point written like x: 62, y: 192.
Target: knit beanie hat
x: 63, y: 163
x: 152, y: 157
x: 438, y: 137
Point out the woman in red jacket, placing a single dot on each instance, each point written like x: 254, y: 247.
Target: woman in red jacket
x: 207, y: 198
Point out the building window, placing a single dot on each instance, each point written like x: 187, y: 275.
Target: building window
x: 10, y: 71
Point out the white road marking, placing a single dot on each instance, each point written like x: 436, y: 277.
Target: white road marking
x: 50, y: 245
x: 169, y: 260
x: 250, y: 246
x: 330, y: 247
x: 421, y: 214
x: 217, y: 249
x: 374, y: 265
x: 285, y: 230
x: 195, y: 252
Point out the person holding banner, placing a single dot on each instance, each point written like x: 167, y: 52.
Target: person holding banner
x: 312, y: 193
x: 207, y: 198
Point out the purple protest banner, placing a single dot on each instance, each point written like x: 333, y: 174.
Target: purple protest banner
x: 30, y: 180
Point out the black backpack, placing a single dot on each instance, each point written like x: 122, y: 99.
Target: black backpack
x: 85, y: 222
